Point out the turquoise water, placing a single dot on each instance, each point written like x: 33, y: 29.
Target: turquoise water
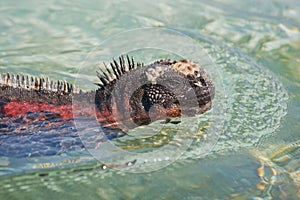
x: 254, y: 50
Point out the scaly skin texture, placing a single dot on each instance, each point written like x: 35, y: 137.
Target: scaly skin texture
x: 154, y: 93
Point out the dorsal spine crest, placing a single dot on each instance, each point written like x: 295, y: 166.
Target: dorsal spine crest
x: 36, y: 83
x: 107, y: 76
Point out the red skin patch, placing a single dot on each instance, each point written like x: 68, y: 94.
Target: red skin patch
x: 21, y: 108
x: 16, y: 109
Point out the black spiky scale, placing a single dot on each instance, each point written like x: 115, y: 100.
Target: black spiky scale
x: 123, y: 65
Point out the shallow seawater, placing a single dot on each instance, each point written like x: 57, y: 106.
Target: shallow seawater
x: 246, y: 147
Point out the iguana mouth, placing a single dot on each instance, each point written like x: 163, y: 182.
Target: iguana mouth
x: 23, y: 94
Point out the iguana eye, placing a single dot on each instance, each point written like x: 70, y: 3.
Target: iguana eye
x: 202, y: 81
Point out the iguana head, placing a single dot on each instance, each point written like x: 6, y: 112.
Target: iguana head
x: 148, y: 92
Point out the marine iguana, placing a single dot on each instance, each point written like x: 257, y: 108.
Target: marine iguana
x: 157, y: 86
